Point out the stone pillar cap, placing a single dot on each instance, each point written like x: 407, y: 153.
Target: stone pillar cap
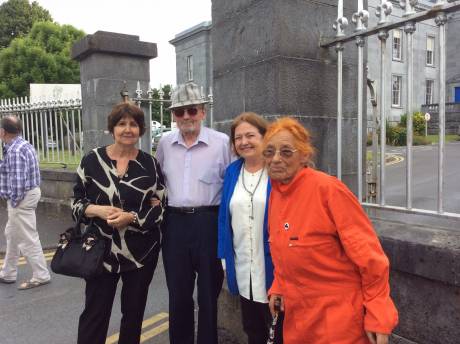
x: 113, y: 43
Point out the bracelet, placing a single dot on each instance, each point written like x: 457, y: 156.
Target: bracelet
x: 136, y: 218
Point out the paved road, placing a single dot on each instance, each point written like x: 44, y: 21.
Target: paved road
x: 49, y: 314
x: 425, y: 178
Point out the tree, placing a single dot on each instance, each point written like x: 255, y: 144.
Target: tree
x: 42, y: 56
x: 17, y: 18
x: 156, y: 105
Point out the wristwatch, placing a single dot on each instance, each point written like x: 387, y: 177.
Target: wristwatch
x: 136, y: 218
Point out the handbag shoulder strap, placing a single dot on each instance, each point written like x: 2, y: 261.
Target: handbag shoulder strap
x: 77, y: 227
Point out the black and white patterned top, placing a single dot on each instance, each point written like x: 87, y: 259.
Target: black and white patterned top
x: 98, y: 183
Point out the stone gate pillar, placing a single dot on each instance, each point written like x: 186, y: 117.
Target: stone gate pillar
x: 107, y: 60
x: 267, y: 58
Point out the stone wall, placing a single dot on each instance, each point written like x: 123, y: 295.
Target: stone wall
x: 57, y: 184
x: 452, y: 118
x: 425, y: 274
x: 57, y: 190
x: 424, y: 278
x: 267, y: 59
x: 109, y: 62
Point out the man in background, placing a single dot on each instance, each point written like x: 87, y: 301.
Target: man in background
x: 20, y: 186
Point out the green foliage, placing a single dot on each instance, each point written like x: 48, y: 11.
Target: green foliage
x: 420, y: 140
x: 156, y: 105
x: 396, y: 135
x: 418, y: 122
x: 42, y: 56
x: 17, y: 18
x: 369, y: 139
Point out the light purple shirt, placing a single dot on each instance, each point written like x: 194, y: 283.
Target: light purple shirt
x: 194, y: 175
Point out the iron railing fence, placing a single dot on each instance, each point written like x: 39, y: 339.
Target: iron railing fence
x: 149, y: 101
x: 54, y: 128
x: 408, y: 22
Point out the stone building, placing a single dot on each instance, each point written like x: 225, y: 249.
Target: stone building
x: 453, y: 60
x: 426, y: 62
x: 194, y: 56
x: 194, y: 59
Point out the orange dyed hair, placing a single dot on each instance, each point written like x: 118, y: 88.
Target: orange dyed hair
x: 302, y: 137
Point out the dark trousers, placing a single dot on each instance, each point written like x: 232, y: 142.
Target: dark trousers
x: 100, y: 293
x: 190, y: 250
x: 257, y: 319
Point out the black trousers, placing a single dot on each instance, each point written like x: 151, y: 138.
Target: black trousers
x: 190, y: 252
x: 100, y: 293
x: 256, y: 319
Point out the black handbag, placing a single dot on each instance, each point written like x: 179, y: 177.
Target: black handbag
x: 80, y: 254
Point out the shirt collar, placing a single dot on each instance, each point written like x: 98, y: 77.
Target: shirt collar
x: 12, y: 142
x: 202, y: 137
x: 294, y: 183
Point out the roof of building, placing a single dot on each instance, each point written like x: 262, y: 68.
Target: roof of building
x: 204, y: 26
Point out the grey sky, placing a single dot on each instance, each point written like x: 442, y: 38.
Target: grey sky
x: 154, y: 21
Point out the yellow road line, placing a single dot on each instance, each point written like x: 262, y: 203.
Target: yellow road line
x: 396, y: 159
x: 23, y: 261
x: 154, y: 319
x: 146, y: 323
x: 154, y: 331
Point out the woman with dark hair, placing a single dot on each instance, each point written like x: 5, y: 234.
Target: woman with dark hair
x: 243, y: 236
x: 115, y: 186
x: 331, y: 273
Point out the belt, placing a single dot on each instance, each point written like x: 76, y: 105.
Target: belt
x: 193, y: 210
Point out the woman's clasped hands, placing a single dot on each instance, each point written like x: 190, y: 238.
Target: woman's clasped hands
x: 114, y: 216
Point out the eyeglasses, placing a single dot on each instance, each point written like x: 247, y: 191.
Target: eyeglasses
x: 284, y: 152
x: 181, y: 112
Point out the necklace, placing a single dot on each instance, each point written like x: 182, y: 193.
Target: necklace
x: 120, y: 172
x: 251, y: 193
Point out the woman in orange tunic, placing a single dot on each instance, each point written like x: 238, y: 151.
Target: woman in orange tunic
x: 331, y: 273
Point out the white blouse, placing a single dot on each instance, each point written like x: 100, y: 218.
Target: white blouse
x: 248, y: 234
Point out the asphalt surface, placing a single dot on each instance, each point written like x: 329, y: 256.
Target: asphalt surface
x: 49, y: 314
x: 425, y: 178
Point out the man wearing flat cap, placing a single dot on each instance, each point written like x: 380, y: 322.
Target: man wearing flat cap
x: 193, y: 159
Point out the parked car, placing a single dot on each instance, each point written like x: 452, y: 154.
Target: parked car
x: 156, y: 138
x: 51, y: 144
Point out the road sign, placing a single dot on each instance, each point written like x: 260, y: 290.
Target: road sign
x: 427, y: 118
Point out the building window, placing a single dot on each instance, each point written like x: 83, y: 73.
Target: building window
x: 397, y: 45
x: 429, y: 86
x: 430, y: 51
x: 190, y: 67
x: 396, y: 85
